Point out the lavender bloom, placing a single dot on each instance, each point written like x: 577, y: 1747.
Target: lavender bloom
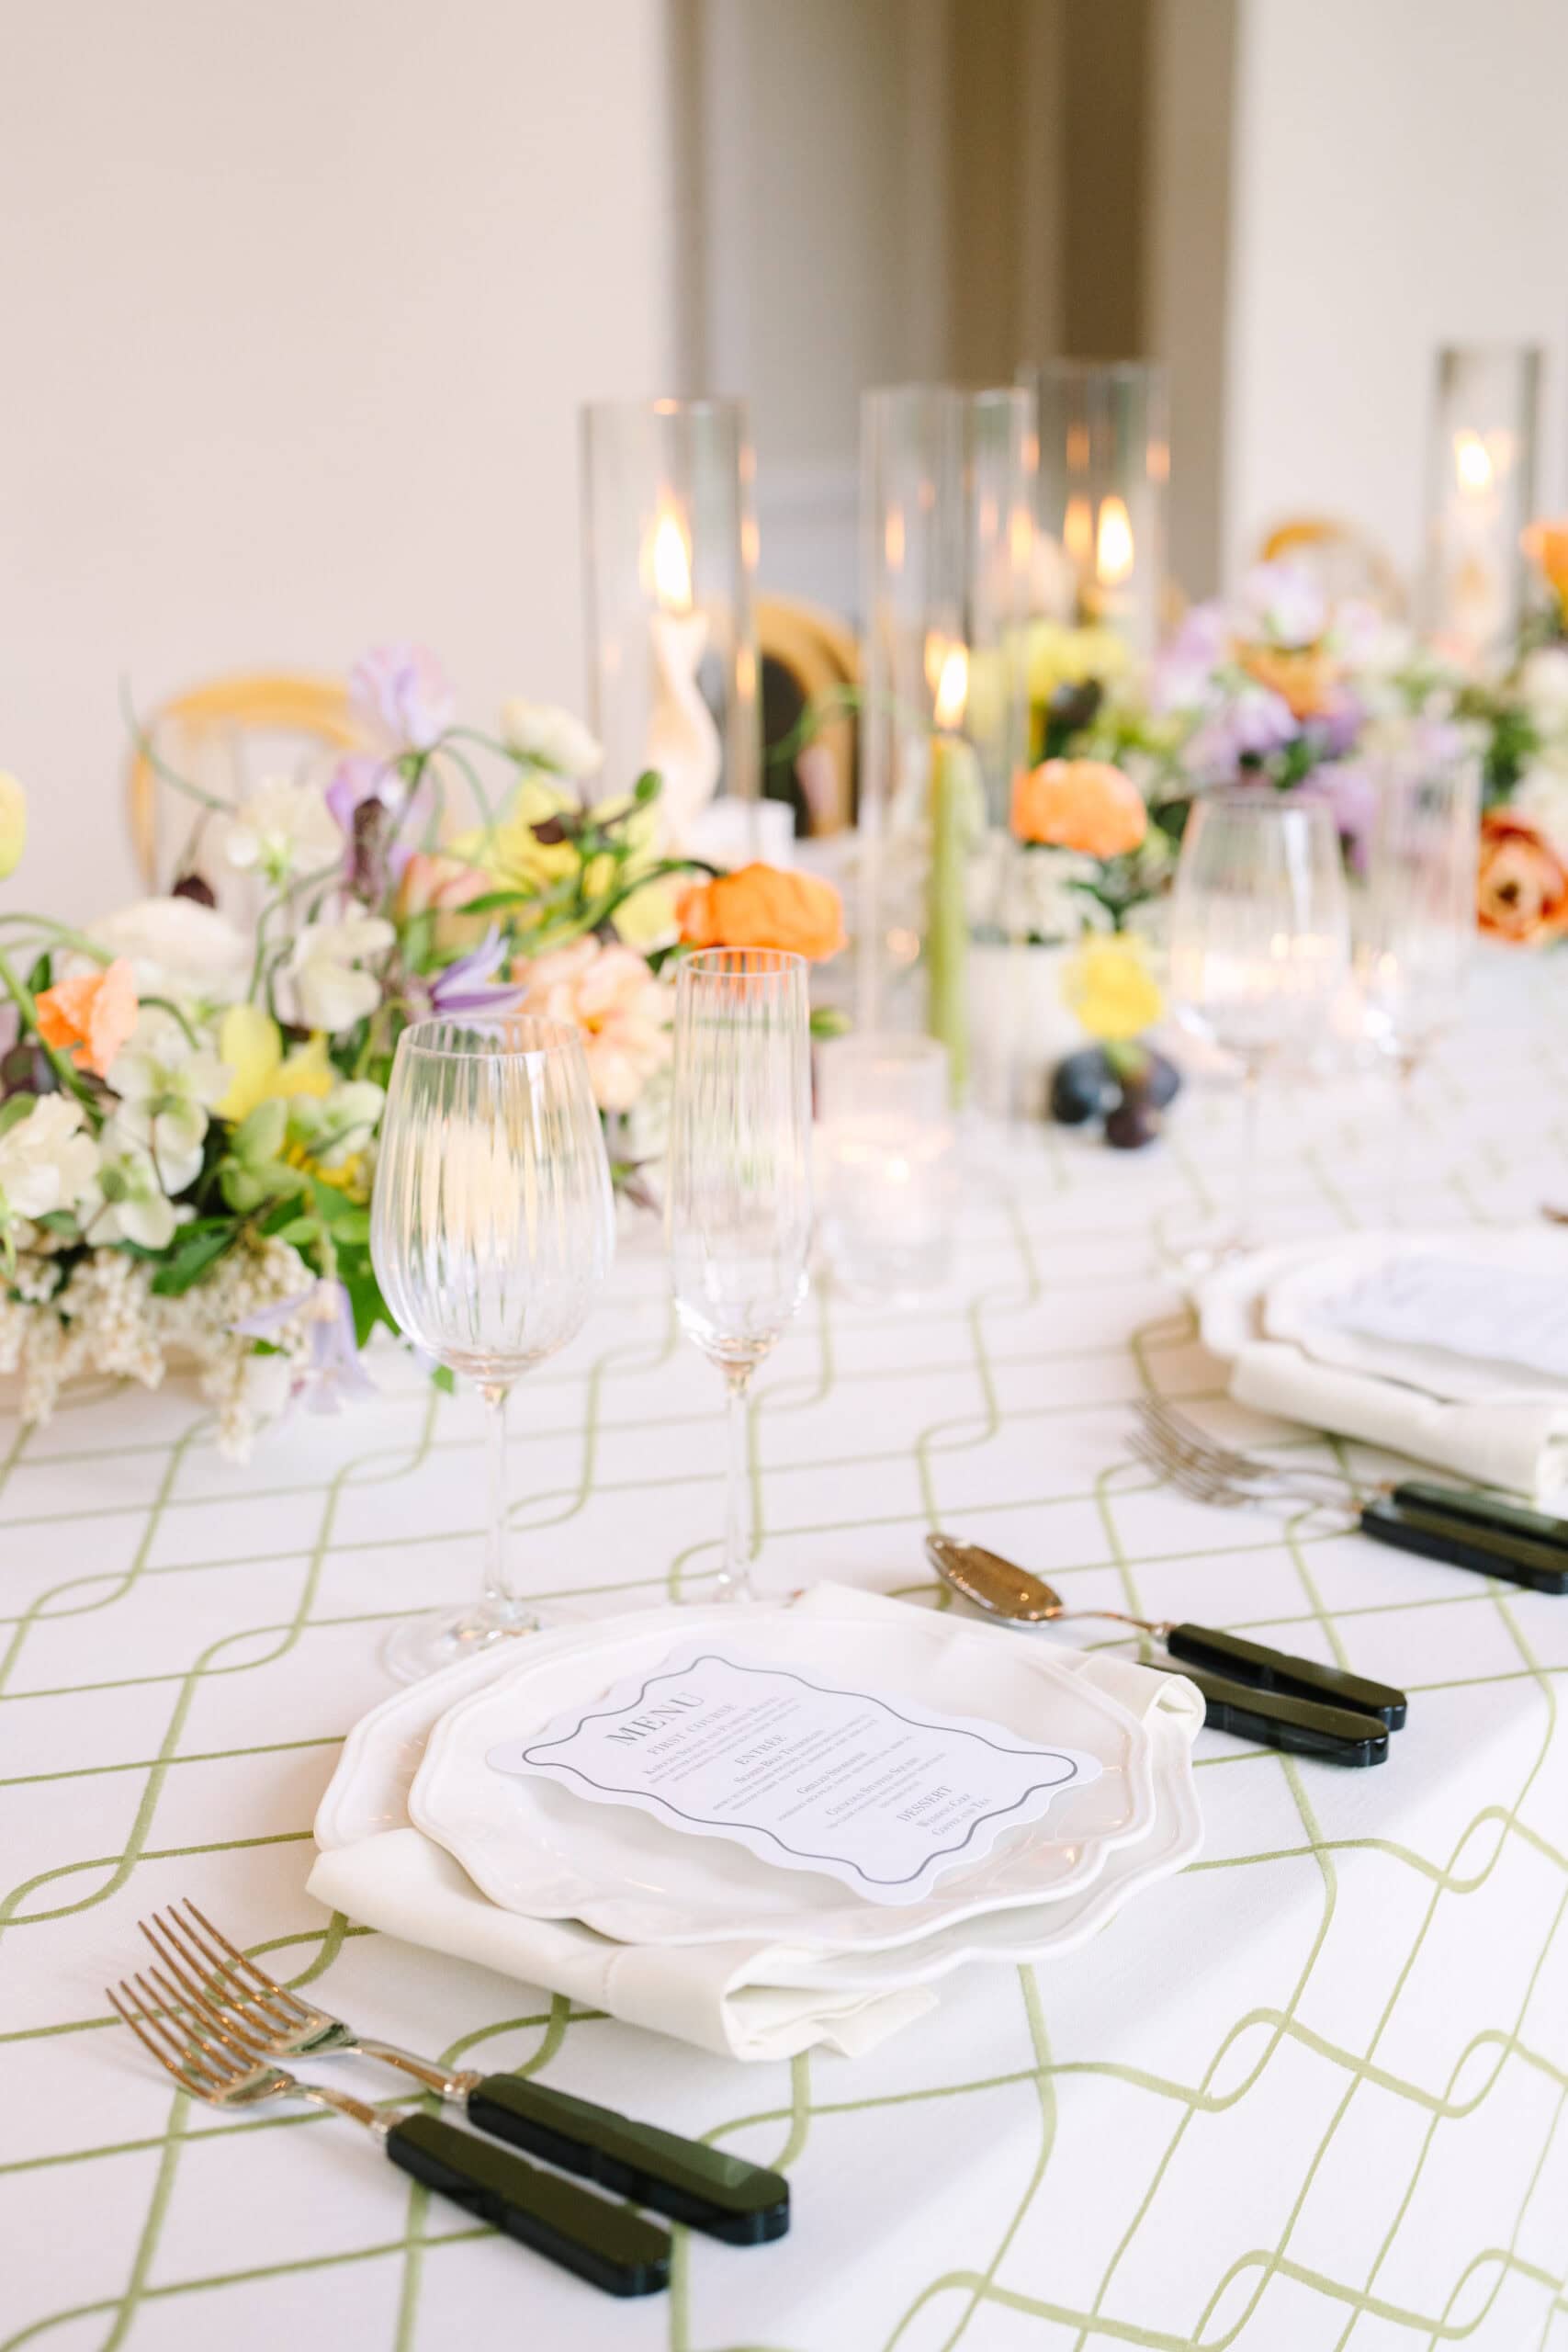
x: 335, y: 1373
x: 1183, y: 672
x: 1283, y: 605
x: 470, y: 985
x: 404, y: 692
x: 1349, y: 791
x: 1248, y: 724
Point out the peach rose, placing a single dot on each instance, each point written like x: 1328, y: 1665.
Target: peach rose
x: 622, y: 1010
x: 1087, y: 804
x: 1546, y: 543
x: 434, y: 884
x: 93, y: 1015
x: 1301, y: 676
x: 1521, y: 884
x: 763, y: 905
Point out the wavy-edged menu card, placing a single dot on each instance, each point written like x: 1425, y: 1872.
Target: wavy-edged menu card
x: 876, y: 1791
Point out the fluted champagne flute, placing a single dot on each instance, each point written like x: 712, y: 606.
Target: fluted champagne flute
x: 492, y: 1230
x: 1260, y: 949
x: 738, y: 1183
x: 1414, y: 921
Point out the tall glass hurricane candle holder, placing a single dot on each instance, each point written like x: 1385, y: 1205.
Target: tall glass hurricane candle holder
x: 889, y: 1173
x: 1104, y: 463
x: 671, y: 551
x: 1479, y: 497
x: 947, y: 543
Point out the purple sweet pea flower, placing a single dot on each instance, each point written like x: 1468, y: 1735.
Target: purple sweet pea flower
x: 1182, y: 677
x: 1282, y: 604
x: 403, y: 691
x: 1250, y: 722
x: 470, y: 985
x: 1349, y: 791
x: 334, y: 1373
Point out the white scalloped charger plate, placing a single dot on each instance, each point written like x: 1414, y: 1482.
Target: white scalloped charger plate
x: 533, y: 1848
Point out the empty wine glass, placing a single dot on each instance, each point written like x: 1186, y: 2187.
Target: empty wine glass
x: 1260, y: 948
x: 1414, y: 919
x: 492, y: 1228
x: 739, y: 1182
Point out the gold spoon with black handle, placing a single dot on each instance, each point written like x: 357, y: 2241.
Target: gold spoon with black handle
x: 1259, y: 1694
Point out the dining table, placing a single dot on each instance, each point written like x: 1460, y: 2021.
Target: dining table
x: 1308, y: 2094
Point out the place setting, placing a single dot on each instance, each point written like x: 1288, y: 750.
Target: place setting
x: 783, y: 1485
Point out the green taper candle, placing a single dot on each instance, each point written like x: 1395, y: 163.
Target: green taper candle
x: 955, y: 795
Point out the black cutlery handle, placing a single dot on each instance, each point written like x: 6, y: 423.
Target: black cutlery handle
x: 605, y: 2243
x: 725, y: 2195
x: 1463, y: 1544
x: 1485, y: 1512
x: 1297, y: 1678
x: 1333, y: 1735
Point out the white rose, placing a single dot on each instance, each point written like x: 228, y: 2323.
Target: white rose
x: 543, y: 731
x: 321, y: 987
x: 47, y: 1160
x: 1543, y: 688
x: 178, y: 947
x: 1542, y: 798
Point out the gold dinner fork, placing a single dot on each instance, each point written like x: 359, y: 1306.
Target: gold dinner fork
x: 607, y: 2245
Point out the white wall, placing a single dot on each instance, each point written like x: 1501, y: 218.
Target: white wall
x: 1399, y: 182
x: 296, y: 302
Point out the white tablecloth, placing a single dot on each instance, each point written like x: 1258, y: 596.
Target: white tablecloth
x: 1309, y: 2095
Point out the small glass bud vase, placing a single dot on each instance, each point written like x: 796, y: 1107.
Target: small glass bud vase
x: 947, y: 540
x: 670, y: 545
x: 1104, y: 463
x: 1480, y: 498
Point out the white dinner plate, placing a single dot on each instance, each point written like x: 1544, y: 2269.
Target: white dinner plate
x: 534, y: 1848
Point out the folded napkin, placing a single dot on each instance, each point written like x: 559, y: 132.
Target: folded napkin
x: 376, y: 1867
x: 1435, y: 1345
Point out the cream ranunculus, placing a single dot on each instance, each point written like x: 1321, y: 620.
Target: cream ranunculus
x: 1542, y: 798
x: 282, y: 828
x: 1543, y: 688
x: 322, y: 985
x: 555, y: 738
x: 178, y: 947
x: 47, y: 1160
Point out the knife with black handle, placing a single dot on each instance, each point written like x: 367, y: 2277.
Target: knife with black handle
x: 1470, y: 1530
x: 1296, y: 1727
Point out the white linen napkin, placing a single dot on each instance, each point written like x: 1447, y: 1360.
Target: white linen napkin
x: 1419, y: 1343
x: 716, y: 1995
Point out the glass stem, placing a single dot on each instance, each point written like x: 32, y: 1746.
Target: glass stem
x: 1404, y: 1087
x: 1247, y: 1173
x: 735, y: 1577
x: 502, y: 1608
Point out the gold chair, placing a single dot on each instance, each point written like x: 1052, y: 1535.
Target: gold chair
x: 223, y: 735
x: 806, y: 655
x: 1348, y: 566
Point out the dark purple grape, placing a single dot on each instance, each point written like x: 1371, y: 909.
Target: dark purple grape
x: 1082, y: 1087
x: 1162, y: 1082
x: 1133, y: 1122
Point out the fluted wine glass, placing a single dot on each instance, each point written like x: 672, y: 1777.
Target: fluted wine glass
x: 1260, y: 949
x: 1414, y: 921
x: 738, y: 1182
x: 491, y: 1229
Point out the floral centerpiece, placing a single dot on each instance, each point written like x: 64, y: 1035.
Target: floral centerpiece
x: 190, y: 1108
x: 1522, y: 880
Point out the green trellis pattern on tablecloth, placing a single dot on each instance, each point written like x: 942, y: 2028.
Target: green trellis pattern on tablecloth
x: 1309, y: 2095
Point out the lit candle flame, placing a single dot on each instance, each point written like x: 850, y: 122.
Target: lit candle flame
x: 1472, y: 463
x: 1113, y: 544
x: 953, y: 688
x: 1078, y: 529
x: 670, y: 562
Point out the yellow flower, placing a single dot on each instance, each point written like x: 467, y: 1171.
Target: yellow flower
x: 250, y: 1043
x: 13, y: 824
x: 1111, y: 988
x: 512, y: 850
x: 1057, y: 656
x: 352, y: 1178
